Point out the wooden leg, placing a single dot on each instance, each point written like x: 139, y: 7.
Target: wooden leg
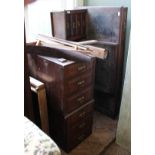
x: 43, y: 109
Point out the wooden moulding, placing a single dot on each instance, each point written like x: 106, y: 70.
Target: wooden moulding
x: 39, y: 88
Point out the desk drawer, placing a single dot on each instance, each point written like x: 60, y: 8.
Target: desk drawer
x: 80, y: 126
x: 76, y: 69
x: 78, y: 84
x: 81, y: 113
x: 78, y: 131
x: 74, y: 140
x: 75, y: 101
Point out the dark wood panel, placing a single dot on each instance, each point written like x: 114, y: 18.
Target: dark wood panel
x: 68, y: 25
x: 108, y: 25
x: 78, y: 68
x: 78, y: 24
x: 75, y: 101
x: 69, y: 134
x: 105, y: 70
x: 72, y: 26
x: 28, y: 108
x: 77, y: 138
x: 106, y: 103
x: 82, y: 112
x: 83, y: 24
x: 103, y: 23
x: 58, y: 24
x: 78, y: 84
x: 65, y: 83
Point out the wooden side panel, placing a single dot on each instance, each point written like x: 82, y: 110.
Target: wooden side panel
x: 121, y: 50
x: 108, y: 24
x: 69, y: 24
x: 105, y: 73
x: 83, y: 24
x: 28, y: 108
x: 58, y: 24
x: 103, y: 23
x: 50, y: 71
x: 42, y: 69
x: 105, y: 70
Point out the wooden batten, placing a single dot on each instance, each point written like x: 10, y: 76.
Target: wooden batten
x: 54, y: 42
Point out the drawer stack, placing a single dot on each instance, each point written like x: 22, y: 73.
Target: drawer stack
x: 69, y: 24
x: 69, y: 86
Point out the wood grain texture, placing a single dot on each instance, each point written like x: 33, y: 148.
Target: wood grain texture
x: 28, y: 108
x: 69, y: 123
x: 108, y: 24
x: 69, y: 24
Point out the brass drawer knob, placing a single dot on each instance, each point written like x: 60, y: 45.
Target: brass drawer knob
x: 80, y: 83
x: 81, y: 99
x: 81, y: 68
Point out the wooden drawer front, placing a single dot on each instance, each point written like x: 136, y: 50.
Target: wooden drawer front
x: 78, y: 84
x: 77, y: 100
x: 75, y: 139
x: 81, y: 113
x: 80, y: 126
x: 76, y: 69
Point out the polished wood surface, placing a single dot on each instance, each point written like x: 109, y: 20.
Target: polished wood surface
x: 69, y: 24
x: 108, y: 26
x: 28, y: 108
x: 67, y: 79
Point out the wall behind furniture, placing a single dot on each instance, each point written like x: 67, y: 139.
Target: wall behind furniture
x: 115, y: 3
x: 123, y: 136
x: 37, y: 16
